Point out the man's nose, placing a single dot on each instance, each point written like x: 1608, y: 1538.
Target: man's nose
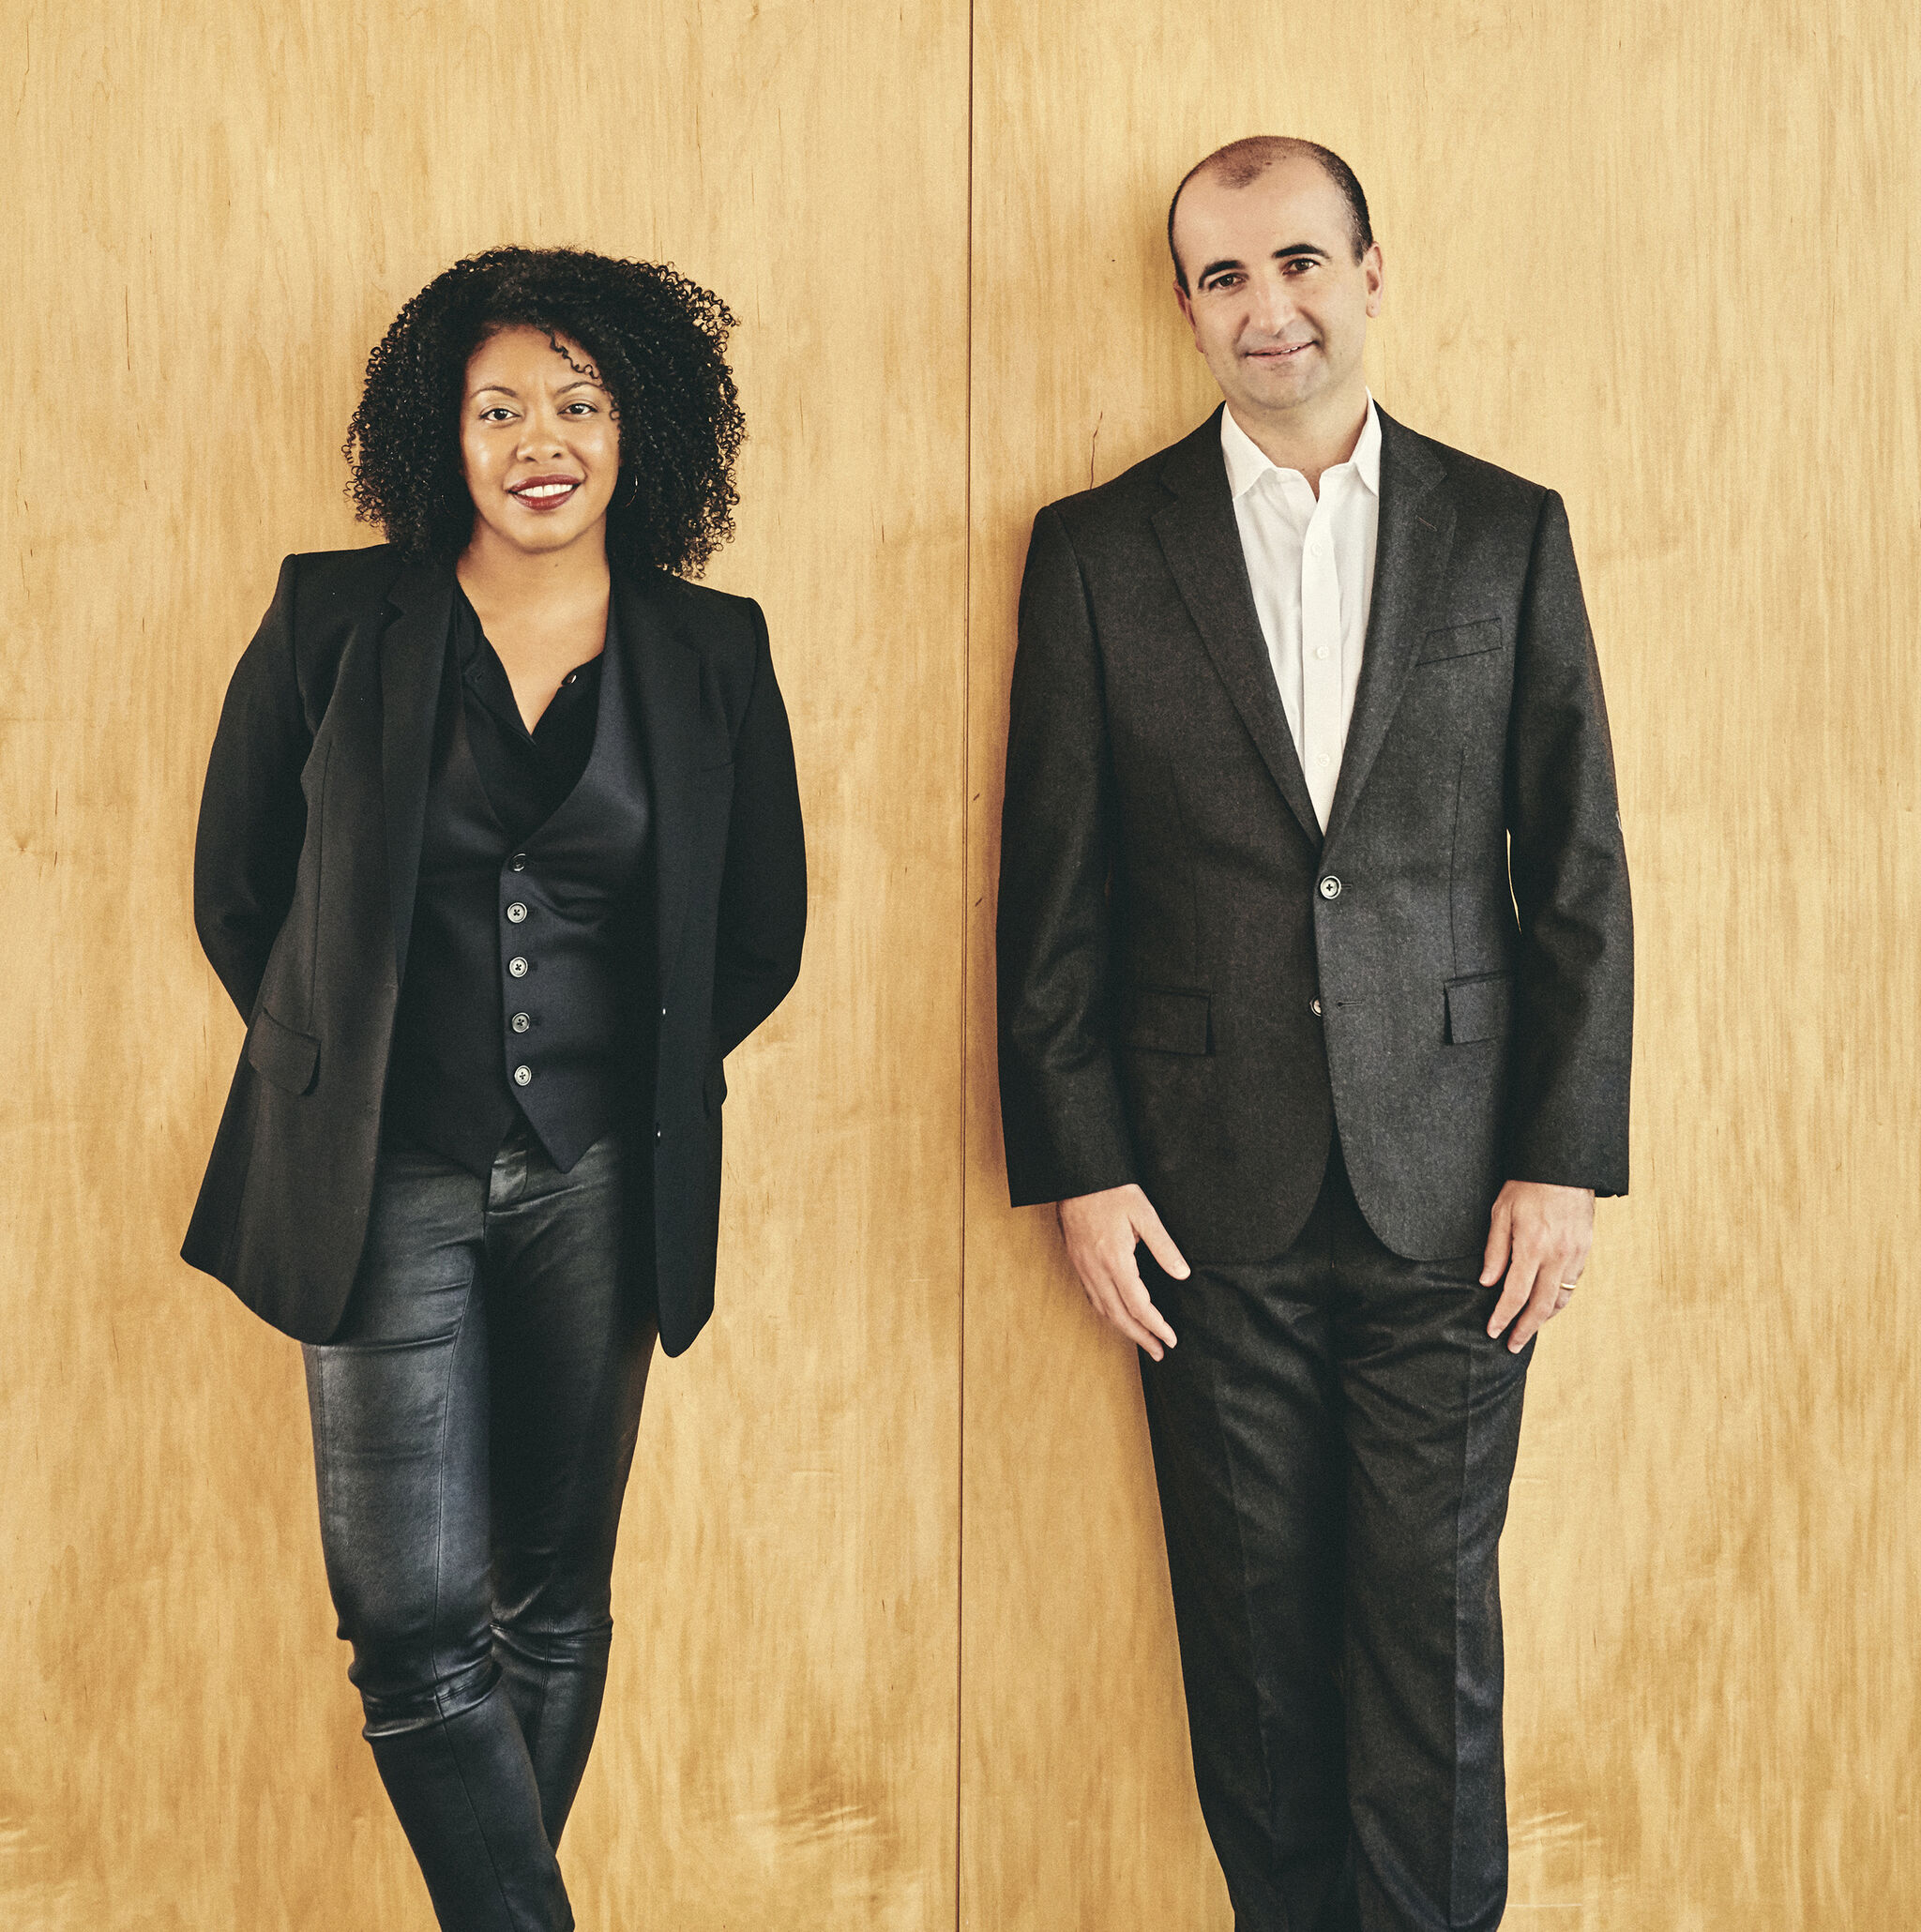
x: 1273, y: 306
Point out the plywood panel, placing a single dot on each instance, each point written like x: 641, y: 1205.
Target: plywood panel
x: 1662, y: 259
x: 217, y: 209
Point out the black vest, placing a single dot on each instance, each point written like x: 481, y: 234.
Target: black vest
x: 531, y: 967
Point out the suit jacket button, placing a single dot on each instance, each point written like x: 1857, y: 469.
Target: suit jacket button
x: 1330, y: 887
x: 519, y: 861
x: 1314, y: 1007
x: 516, y: 912
x: 524, y: 1076
x: 520, y: 1023
x: 517, y: 967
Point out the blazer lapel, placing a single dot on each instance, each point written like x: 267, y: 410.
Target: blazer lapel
x: 411, y: 658
x: 1411, y: 550
x: 666, y: 677
x: 1202, y: 543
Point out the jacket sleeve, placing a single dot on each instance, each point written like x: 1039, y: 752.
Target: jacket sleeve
x: 1575, y: 978
x: 763, y: 916
x: 252, y: 812
x: 1062, y: 1113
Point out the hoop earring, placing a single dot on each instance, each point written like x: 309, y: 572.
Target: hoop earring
x: 633, y: 490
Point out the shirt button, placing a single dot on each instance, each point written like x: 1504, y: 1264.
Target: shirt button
x: 520, y: 1023
x: 1324, y: 758
x: 1330, y: 887
x: 519, y: 861
x: 524, y: 1076
x: 1320, y: 650
x: 1314, y: 1007
x: 517, y: 967
x: 516, y: 912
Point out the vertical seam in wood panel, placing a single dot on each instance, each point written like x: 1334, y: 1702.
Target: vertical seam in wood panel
x: 966, y: 1000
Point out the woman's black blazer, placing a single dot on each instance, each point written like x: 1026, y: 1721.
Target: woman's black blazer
x: 304, y: 874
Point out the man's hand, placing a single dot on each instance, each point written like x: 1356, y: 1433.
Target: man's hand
x: 1100, y: 1230
x: 1540, y: 1236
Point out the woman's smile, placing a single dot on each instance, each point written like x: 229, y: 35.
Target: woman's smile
x: 544, y: 493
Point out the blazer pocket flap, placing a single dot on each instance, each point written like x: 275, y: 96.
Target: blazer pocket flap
x: 280, y: 1056
x: 1479, y: 1009
x: 1169, y: 1022
x: 1461, y: 641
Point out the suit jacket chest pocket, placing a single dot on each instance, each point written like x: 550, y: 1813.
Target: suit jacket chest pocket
x: 1454, y: 643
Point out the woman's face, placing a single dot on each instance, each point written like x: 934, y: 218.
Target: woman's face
x: 539, y: 445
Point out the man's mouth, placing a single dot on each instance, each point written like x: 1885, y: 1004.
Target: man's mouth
x: 1277, y: 350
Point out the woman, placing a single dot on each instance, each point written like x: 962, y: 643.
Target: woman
x: 500, y: 853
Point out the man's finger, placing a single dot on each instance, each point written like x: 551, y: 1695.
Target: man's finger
x: 1500, y: 1245
x: 1115, y: 1312
x: 1159, y: 1243
x: 1140, y: 1306
x: 1541, y: 1306
x: 1521, y: 1282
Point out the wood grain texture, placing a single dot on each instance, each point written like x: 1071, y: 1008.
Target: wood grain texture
x: 217, y: 209
x: 1662, y: 259
x: 1658, y: 257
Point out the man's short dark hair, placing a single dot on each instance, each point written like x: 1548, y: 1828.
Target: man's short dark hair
x: 1243, y: 162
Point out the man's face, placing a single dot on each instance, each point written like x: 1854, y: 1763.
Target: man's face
x: 1277, y: 303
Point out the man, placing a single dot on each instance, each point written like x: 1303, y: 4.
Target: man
x: 1316, y: 1000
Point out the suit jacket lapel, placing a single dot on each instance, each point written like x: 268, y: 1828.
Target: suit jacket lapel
x: 413, y: 656
x: 1202, y: 543
x: 1411, y: 548
x: 665, y: 676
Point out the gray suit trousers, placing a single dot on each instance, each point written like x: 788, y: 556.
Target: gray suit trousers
x: 1334, y: 1438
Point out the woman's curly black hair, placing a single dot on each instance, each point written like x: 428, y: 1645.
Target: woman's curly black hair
x: 657, y: 341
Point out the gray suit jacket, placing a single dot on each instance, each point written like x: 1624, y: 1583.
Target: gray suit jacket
x: 1196, y: 988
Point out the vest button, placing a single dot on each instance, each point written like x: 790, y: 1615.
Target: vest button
x: 519, y: 861
x: 524, y: 1076
x: 520, y: 1023
x: 517, y: 967
x: 516, y: 912
x: 1330, y: 887
x: 1313, y: 1007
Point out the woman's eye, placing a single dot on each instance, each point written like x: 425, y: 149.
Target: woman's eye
x: 498, y: 414
x: 585, y: 408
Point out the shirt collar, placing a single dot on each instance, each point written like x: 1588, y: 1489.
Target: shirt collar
x: 1247, y: 463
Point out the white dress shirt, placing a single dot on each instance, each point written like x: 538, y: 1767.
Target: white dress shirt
x: 1311, y: 563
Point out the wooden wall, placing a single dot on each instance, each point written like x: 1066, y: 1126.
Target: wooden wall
x: 894, y: 1650
x: 228, y: 203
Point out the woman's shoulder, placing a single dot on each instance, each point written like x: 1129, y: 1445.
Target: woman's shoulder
x: 336, y: 579
x: 708, y: 619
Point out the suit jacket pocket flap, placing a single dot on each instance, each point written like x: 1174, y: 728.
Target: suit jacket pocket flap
x: 1169, y: 1023
x: 279, y: 1055
x: 1461, y: 641
x: 1479, y: 1009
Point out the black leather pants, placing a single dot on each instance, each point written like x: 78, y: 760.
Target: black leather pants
x: 1334, y: 1438
x: 473, y: 1423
